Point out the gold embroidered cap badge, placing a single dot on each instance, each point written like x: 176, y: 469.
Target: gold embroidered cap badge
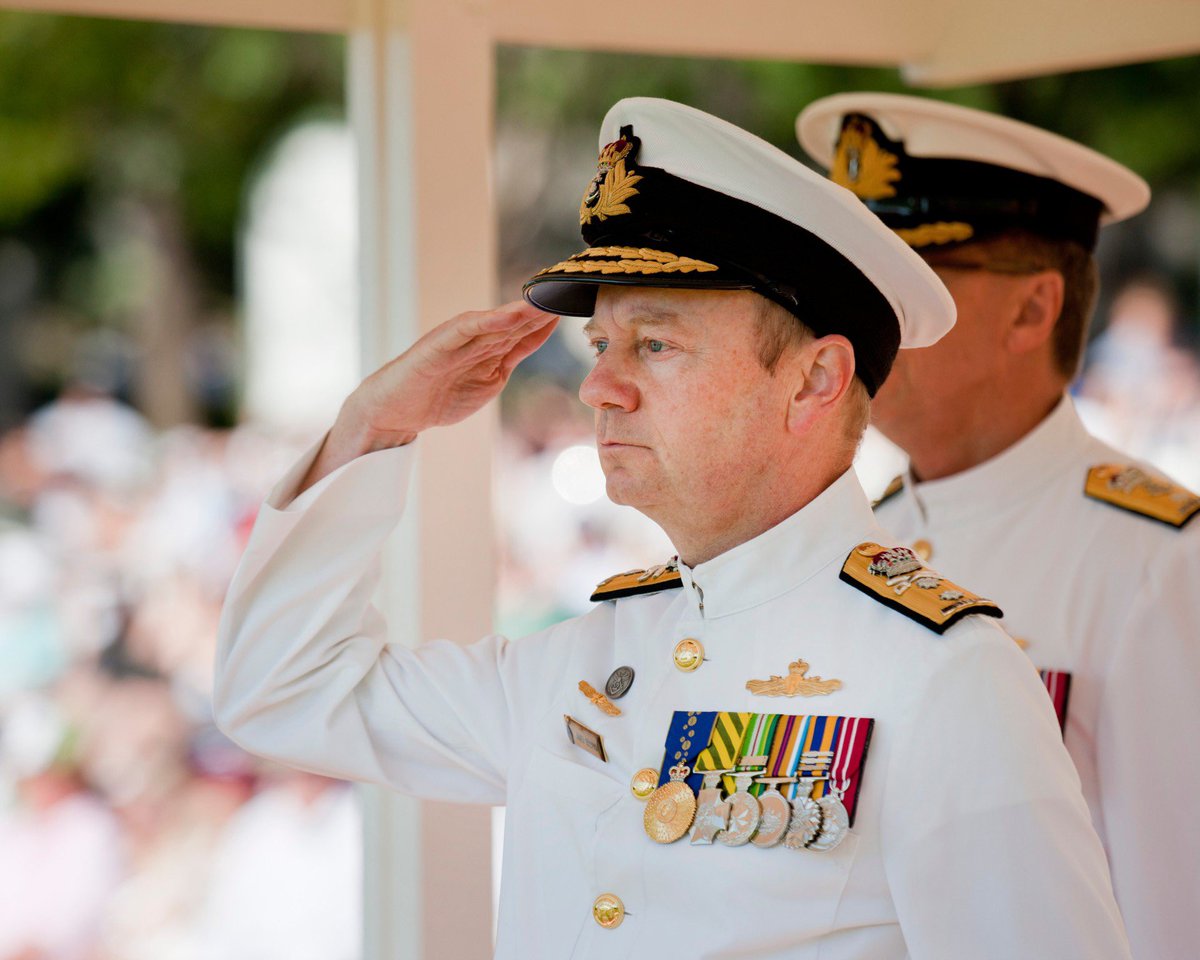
x: 613, y: 183
x: 860, y: 164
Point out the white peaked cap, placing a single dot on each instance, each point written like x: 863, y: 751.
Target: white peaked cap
x: 932, y: 129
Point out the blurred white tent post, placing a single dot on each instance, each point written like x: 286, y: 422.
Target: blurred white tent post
x: 298, y: 280
x: 421, y: 90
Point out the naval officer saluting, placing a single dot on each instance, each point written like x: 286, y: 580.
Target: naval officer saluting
x: 794, y: 738
x: 1094, y: 557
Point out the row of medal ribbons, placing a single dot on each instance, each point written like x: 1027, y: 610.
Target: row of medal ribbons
x: 766, y: 779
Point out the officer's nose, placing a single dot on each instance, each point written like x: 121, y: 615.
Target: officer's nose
x: 607, y: 388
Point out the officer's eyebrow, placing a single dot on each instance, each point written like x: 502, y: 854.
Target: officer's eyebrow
x: 643, y: 317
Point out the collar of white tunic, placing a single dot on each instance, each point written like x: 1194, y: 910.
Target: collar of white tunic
x: 1055, y: 445
x: 782, y: 558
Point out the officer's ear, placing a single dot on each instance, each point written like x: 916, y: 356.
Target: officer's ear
x: 1040, y: 307
x: 822, y: 374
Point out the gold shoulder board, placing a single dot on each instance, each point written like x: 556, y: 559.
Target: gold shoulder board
x: 1137, y: 491
x: 898, y: 578
x: 634, y: 582
x: 893, y: 488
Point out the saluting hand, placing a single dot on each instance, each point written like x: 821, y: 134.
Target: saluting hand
x: 441, y: 379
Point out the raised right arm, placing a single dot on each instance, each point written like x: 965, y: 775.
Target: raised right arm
x: 304, y: 672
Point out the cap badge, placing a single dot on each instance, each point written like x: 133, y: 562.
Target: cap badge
x: 796, y: 683
x: 860, y: 164
x: 613, y: 183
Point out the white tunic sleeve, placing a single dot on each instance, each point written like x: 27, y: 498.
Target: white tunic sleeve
x: 304, y: 673
x: 1148, y: 756
x: 987, y: 841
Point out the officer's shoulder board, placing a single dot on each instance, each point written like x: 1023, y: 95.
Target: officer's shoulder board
x: 893, y: 488
x: 634, y: 582
x: 1131, y: 488
x: 898, y: 578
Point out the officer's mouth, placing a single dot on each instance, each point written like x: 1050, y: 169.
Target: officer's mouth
x: 615, y: 446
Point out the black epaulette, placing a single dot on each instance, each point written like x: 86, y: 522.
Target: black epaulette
x: 898, y: 578
x: 635, y: 582
x: 1131, y: 488
x: 893, y: 488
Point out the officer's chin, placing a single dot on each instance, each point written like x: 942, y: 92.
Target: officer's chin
x: 621, y: 487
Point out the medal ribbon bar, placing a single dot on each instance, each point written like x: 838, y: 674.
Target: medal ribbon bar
x: 690, y: 732
x: 725, y: 747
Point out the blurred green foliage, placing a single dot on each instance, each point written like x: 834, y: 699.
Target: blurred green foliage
x: 1140, y: 114
x: 95, y: 109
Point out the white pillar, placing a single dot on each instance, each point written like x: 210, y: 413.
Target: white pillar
x: 421, y: 97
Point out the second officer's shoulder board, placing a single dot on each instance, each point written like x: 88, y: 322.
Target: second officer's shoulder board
x: 1129, y: 487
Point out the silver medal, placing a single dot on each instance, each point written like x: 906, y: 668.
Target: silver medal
x: 776, y: 813
x: 712, y: 815
x: 807, y: 817
x: 745, y: 812
x: 835, y: 823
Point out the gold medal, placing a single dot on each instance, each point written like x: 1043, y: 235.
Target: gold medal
x: 671, y: 808
x: 689, y: 654
x: 923, y: 549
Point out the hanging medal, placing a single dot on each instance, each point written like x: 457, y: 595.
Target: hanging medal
x: 835, y: 822
x: 809, y: 760
x: 849, y: 745
x: 744, y: 812
x: 776, y: 812
x: 712, y: 814
x: 671, y: 808
x: 807, y: 818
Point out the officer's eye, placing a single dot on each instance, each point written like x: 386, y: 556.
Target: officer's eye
x: 599, y: 346
x: 655, y: 346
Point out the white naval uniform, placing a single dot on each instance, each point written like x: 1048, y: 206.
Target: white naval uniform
x: 971, y: 839
x: 1113, y: 598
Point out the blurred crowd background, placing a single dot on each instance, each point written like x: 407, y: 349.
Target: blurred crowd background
x: 177, y: 323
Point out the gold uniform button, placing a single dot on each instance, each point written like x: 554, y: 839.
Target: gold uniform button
x: 923, y: 549
x: 644, y: 782
x: 608, y: 910
x: 689, y: 654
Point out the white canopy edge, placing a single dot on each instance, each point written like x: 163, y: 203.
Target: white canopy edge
x: 935, y: 42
